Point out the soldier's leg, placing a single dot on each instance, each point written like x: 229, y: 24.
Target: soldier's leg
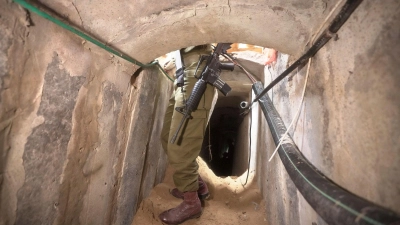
x: 183, y: 153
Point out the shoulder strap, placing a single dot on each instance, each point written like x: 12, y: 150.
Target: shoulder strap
x: 180, y: 67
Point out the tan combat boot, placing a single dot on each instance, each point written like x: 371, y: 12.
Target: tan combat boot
x: 190, y: 208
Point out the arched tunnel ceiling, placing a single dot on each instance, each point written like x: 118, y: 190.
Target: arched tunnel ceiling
x: 147, y: 29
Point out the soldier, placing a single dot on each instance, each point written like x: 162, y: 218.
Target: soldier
x: 183, y: 153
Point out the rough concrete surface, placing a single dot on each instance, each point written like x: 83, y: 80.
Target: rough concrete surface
x: 137, y: 27
x: 362, y: 105
x: 278, y: 190
x: 100, y: 161
x: 349, y: 122
x: 65, y: 113
x: 137, y: 162
x: 46, y: 148
x: 78, y: 134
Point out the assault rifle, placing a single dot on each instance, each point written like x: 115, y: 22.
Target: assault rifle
x: 210, y: 74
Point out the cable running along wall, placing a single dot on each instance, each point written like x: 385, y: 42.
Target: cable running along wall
x: 334, y: 204
x: 41, y: 12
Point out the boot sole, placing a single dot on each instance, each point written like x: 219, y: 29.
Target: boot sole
x: 196, y: 216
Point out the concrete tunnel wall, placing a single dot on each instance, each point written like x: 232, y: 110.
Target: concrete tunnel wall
x: 78, y: 136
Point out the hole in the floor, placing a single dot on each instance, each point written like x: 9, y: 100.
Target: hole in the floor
x: 220, y: 145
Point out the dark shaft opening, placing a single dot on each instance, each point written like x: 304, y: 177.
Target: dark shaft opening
x: 221, y: 137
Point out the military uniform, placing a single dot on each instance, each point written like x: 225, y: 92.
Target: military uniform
x: 183, y: 153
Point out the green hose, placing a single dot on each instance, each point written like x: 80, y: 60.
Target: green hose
x: 43, y: 14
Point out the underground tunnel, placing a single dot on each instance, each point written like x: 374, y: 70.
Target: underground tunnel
x: 220, y: 146
x: 80, y: 138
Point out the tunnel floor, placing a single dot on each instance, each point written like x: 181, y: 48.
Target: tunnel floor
x: 231, y: 201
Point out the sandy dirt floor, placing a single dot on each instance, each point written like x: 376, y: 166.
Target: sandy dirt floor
x: 231, y: 203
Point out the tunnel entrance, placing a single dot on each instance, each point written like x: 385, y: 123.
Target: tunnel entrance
x: 221, y: 144
x: 222, y: 150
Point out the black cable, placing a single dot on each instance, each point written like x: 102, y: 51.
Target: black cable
x: 329, y: 32
x: 334, y: 204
